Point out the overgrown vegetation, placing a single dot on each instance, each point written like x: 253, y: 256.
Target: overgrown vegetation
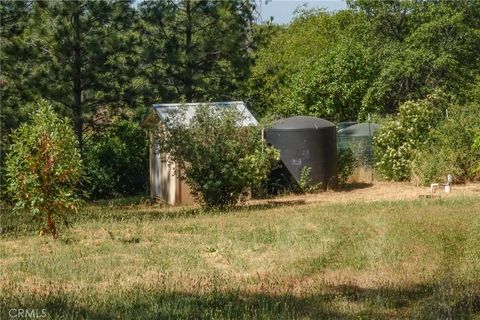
x: 346, y: 165
x: 117, y: 161
x: 408, y: 131
x: 450, y: 148
x: 476, y: 146
x: 305, y: 182
x: 220, y: 158
x: 429, y: 139
x: 44, y: 168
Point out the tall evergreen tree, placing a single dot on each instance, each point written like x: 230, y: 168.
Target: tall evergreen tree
x: 14, y: 90
x: 80, y: 54
x: 196, y: 50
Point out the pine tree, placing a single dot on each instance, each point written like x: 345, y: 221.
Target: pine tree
x: 196, y: 50
x: 81, y: 55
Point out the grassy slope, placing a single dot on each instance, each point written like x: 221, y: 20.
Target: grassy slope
x: 355, y: 260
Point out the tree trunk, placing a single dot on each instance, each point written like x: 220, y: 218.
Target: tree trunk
x: 188, y: 78
x: 51, y: 226
x: 77, y: 79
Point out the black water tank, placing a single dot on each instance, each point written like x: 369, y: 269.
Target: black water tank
x: 306, y: 142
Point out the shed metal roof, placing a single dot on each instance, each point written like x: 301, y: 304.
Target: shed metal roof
x: 166, y: 111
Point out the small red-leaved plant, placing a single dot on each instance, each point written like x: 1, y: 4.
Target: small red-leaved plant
x: 43, y: 168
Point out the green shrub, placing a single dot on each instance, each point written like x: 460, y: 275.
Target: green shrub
x: 219, y: 160
x: 305, y: 182
x: 346, y: 164
x: 400, y: 137
x: 476, y: 147
x: 44, y: 167
x: 429, y: 166
x: 450, y: 148
x: 259, y: 165
x: 116, y: 161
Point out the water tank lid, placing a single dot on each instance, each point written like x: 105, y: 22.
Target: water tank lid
x: 301, y: 123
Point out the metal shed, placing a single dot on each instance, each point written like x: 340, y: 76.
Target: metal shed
x: 163, y: 182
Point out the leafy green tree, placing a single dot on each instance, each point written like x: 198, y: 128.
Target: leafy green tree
x: 370, y: 58
x: 425, y: 46
x: 44, y: 167
x: 330, y: 86
x: 316, y: 66
x: 196, y: 50
x: 219, y: 160
x: 277, y: 60
x: 389, y: 19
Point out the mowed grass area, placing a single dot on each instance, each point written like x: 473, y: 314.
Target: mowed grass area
x: 399, y: 259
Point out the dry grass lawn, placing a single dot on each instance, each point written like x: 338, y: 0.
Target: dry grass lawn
x: 375, y: 252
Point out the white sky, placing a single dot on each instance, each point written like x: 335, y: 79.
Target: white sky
x: 282, y: 10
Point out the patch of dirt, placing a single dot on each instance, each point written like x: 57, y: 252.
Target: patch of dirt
x: 377, y: 191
